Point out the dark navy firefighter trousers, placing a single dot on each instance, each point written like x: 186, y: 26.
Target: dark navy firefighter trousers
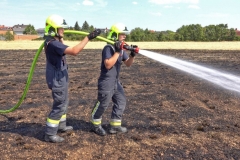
x: 57, y: 81
x: 117, y: 96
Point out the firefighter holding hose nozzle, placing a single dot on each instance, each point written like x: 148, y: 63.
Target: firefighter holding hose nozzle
x: 109, y: 86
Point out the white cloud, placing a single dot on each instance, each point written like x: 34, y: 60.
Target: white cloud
x: 173, y: 1
x: 87, y: 3
x: 102, y: 3
x: 193, y: 7
x: 134, y: 2
x: 158, y: 14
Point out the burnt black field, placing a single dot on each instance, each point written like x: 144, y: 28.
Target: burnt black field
x: 170, y: 114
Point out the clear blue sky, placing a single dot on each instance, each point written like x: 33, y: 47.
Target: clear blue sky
x: 156, y: 15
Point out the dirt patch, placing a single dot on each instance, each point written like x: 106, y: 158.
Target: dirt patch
x: 170, y: 114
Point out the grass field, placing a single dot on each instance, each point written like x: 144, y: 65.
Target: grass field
x: 142, y: 45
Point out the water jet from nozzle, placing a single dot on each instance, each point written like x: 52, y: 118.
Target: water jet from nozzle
x: 225, y: 80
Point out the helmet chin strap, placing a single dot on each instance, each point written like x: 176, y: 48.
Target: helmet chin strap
x: 57, y: 34
x: 59, y: 37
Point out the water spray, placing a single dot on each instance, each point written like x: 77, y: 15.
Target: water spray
x: 225, y: 80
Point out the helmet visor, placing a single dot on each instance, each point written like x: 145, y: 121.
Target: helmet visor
x: 125, y: 32
x: 64, y: 24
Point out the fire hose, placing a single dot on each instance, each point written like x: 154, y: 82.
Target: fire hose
x: 32, y: 68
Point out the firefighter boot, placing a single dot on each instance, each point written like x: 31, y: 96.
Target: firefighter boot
x: 117, y: 129
x: 53, y: 138
x: 65, y: 129
x: 99, y: 130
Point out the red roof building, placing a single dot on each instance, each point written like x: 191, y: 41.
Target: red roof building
x: 237, y: 32
x: 5, y: 28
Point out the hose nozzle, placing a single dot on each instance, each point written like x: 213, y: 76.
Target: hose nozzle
x: 133, y: 48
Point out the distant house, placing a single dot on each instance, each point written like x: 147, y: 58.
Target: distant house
x: 18, y: 29
x: 40, y: 32
x: 105, y: 30
x: 237, y: 32
x: 4, y: 29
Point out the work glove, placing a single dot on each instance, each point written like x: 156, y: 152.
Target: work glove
x: 133, y: 54
x: 94, y: 34
x: 117, y: 46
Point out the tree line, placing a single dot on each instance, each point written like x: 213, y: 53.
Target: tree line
x: 193, y: 32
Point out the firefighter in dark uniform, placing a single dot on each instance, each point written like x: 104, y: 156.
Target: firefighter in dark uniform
x: 109, y: 86
x: 57, y: 74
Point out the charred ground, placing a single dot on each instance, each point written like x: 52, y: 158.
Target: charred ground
x: 170, y: 114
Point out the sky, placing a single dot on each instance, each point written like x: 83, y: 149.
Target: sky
x: 158, y: 15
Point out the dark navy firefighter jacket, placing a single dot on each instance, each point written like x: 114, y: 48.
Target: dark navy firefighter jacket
x: 108, y: 78
x: 56, y: 60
